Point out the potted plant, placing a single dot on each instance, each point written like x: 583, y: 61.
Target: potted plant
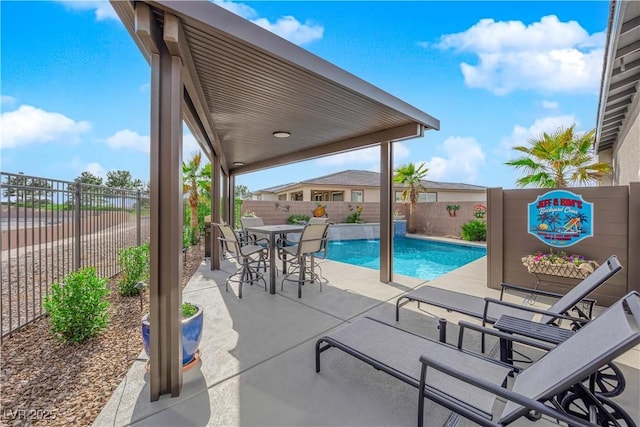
x: 192, y: 322
x: 452, y: 209
x: 397, y: 215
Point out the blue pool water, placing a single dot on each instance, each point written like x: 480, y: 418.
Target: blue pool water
x: 424, y: 259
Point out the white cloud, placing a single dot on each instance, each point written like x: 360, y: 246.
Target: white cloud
x: 548, y: 55
x: 463, y: 158
x: 550, y: 105
x: 31, y: 125
x: 293, y: 30
x: 240, y: 9
x: 102, y: 9
x: 96, y: 169
x: 522, y: 134
x: 189, y: 147
x: 129, y: 139
x: 7, y: 100
x: 287, y: 27
x: 370, y: 155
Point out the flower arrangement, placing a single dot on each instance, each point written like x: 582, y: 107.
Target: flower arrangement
x: 397, y: 214
x: 559, y: 264
x: 249, y: 213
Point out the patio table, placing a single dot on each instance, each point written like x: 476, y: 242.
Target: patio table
x: 273, y: 231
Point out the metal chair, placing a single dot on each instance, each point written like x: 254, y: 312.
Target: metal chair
x: 245, y: 255
x: 301, y: 256
x: 251, y: 221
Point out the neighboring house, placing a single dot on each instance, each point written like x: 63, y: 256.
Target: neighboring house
x: 268, y: 194
x: 364, y: 186
x: 618, y: 127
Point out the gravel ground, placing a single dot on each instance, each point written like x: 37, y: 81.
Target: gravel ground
x: 46, y: 383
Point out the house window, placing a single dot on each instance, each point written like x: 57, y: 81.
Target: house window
x: 357, y: 195
x: 337, y: 196
x: 426, y: 197
x: 317, y: 197
x: 282, y: 197
x: 399, y: 197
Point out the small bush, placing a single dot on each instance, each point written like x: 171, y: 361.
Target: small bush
x: 78, y: 308
x: 475, y: 231
x: 297, y: 218
x: 135, y: 262
x: 354, y: 217
x: 188, y: 237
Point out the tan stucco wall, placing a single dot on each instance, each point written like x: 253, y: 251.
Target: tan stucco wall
x: 627, y: 155
x: 461, y: 196
x: 373, y: 194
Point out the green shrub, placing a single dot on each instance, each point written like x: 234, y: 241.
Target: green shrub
x: 354, y: 217
x: 297, y: 218
x: 204, y: 209
x: 135, y: 263
x: 475, y: 231
x: 188, y: 237
x: 78, y: 308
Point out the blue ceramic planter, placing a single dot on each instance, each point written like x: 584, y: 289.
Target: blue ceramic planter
x: 191, y: 335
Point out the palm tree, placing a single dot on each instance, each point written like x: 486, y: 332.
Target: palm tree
x: 411, y: 177
x: 195, y: 182
x: 560, y: 159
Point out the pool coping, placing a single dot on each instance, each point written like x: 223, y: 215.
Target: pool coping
x: 447, y: 240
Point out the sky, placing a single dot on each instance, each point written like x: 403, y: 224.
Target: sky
x: 75, y: 88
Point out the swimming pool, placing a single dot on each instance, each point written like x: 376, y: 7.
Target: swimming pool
x: 425, y: 259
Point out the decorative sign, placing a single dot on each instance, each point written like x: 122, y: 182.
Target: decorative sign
x: 560, y: 218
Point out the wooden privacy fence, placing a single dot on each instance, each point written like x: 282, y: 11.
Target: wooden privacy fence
x: 616, y: 231
x: 51, y: 228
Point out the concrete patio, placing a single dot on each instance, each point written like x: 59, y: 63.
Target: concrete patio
x: 257, y: 365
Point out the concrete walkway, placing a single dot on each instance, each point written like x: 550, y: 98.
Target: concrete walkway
x: 257, y: 365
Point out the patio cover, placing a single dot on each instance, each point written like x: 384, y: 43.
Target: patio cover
x: 235, y: 84
x: 621, y: 72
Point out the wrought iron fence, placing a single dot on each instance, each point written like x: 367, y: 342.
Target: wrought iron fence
x: 51, y: 228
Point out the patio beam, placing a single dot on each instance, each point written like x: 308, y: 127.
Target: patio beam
x: 408, y: 131
x: 386, y: 228
x: 166, y: 224
x: 177, y: 45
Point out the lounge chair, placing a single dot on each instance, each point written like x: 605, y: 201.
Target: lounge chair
x: 490, y: 309
x: 468, y: 383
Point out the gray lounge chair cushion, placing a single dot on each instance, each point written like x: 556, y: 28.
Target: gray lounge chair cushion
x: 400, y: 352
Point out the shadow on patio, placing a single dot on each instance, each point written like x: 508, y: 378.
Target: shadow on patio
x: 257, y: 364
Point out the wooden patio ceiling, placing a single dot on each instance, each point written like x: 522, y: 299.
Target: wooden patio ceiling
x: 242, y: 83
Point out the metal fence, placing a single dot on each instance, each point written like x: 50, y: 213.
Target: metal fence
x: 51, y: 228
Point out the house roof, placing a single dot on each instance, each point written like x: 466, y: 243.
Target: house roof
x: 242, y: 83
x: 362, y: 178
x: 621, y: 72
